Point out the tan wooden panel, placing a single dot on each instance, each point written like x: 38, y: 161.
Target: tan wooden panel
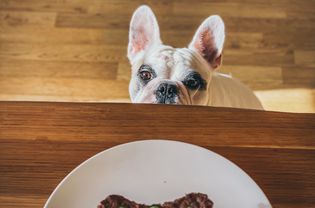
x: 256, y: 77
x: 124, y: 70
x: 52, y: 35
x: 123, y: 7
x: 125, y: 122
x: 84, y: 6
x: 267, y: 25
x: 46, y: 5
x: 179, y: 22
x: 62, y: 52
x: 230, y: 9
x: 23, y: 200
x: 108, y: 21
x: 298, y: 39
x: 306, y: 58
x: 55, y: 69
x: 299, y: 76
x: 63, y: 89
x: 262, y: 57
x: 300, y: 9
x: 18, y: 18
x: 115, y: 37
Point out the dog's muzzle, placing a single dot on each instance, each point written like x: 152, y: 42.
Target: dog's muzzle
x: 166, y: 93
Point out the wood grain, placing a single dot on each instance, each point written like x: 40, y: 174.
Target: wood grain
x: 81, y: 36
x: 225, y: 8
x: 269, y: 45
x: 54, y: 69
x: 38, y: 19
x: 276, y: 149
x: 305, y: 57
x: 266, y: 77
x: 62, y: 52
x: 77, y: 89
x: 291, y: 99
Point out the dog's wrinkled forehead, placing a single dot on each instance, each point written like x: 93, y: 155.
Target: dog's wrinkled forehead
x: 189, y: 60
x: 169, y: 62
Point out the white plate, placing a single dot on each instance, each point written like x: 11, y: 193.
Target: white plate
x: 155, y: 171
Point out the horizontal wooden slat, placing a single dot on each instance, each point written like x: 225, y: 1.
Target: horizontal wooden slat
x: 230, y: 9
x: 122, y: 7
x: 265, y: 77
x: 299, y: 76
x: 26, y: 201
x: 64, y: 89
x: 48, y: 69
x: 267, y: 57
x: 59, y: 127
x: 124, y: 70
x: 306, y: 58
x: 182, y: 22
x: 119, y: 37
x: 45, y: 6
x: 62, y: 52
x: 92, y: 20
x: 299, y: 39
x: 111, y: 53
x: 82, y: 36
x: 17, y: 19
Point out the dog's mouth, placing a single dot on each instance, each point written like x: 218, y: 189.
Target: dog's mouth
x: 166, y: 101
x: 178, y: 100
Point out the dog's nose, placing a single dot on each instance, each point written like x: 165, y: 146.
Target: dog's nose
x: 166, y: 93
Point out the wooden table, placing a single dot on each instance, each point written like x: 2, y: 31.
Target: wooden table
x: 40, y: 143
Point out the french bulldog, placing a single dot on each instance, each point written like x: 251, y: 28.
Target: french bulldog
x: 187, y: 76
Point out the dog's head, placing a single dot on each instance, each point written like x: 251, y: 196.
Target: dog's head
x: 163, y: 74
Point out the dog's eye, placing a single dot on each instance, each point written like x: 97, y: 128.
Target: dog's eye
x: 194, y: 81
x: 146, y: 75
x: 192, y: 84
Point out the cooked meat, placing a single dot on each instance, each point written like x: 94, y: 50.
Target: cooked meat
x: 192, y: 200
x: 116, y: 201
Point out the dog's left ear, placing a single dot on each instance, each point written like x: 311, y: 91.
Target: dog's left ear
x: 143, y: 32
x: 208, y: 40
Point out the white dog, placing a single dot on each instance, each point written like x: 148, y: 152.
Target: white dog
x: 163, y: 74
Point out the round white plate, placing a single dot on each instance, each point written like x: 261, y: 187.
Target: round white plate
x: 155, y: 171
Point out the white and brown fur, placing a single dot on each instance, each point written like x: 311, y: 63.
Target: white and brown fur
x: 170, y: 66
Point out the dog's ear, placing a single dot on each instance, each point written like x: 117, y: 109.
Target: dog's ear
x: 208, y: 40
x: 143, y: 32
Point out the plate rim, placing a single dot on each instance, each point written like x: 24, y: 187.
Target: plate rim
x: 150, y: 141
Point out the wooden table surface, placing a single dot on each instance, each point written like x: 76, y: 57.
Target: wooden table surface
x: 40, y: 143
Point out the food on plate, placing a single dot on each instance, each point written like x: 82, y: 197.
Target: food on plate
x: 192, y: 200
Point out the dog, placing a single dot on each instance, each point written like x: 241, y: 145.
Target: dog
x: 165, y: 75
